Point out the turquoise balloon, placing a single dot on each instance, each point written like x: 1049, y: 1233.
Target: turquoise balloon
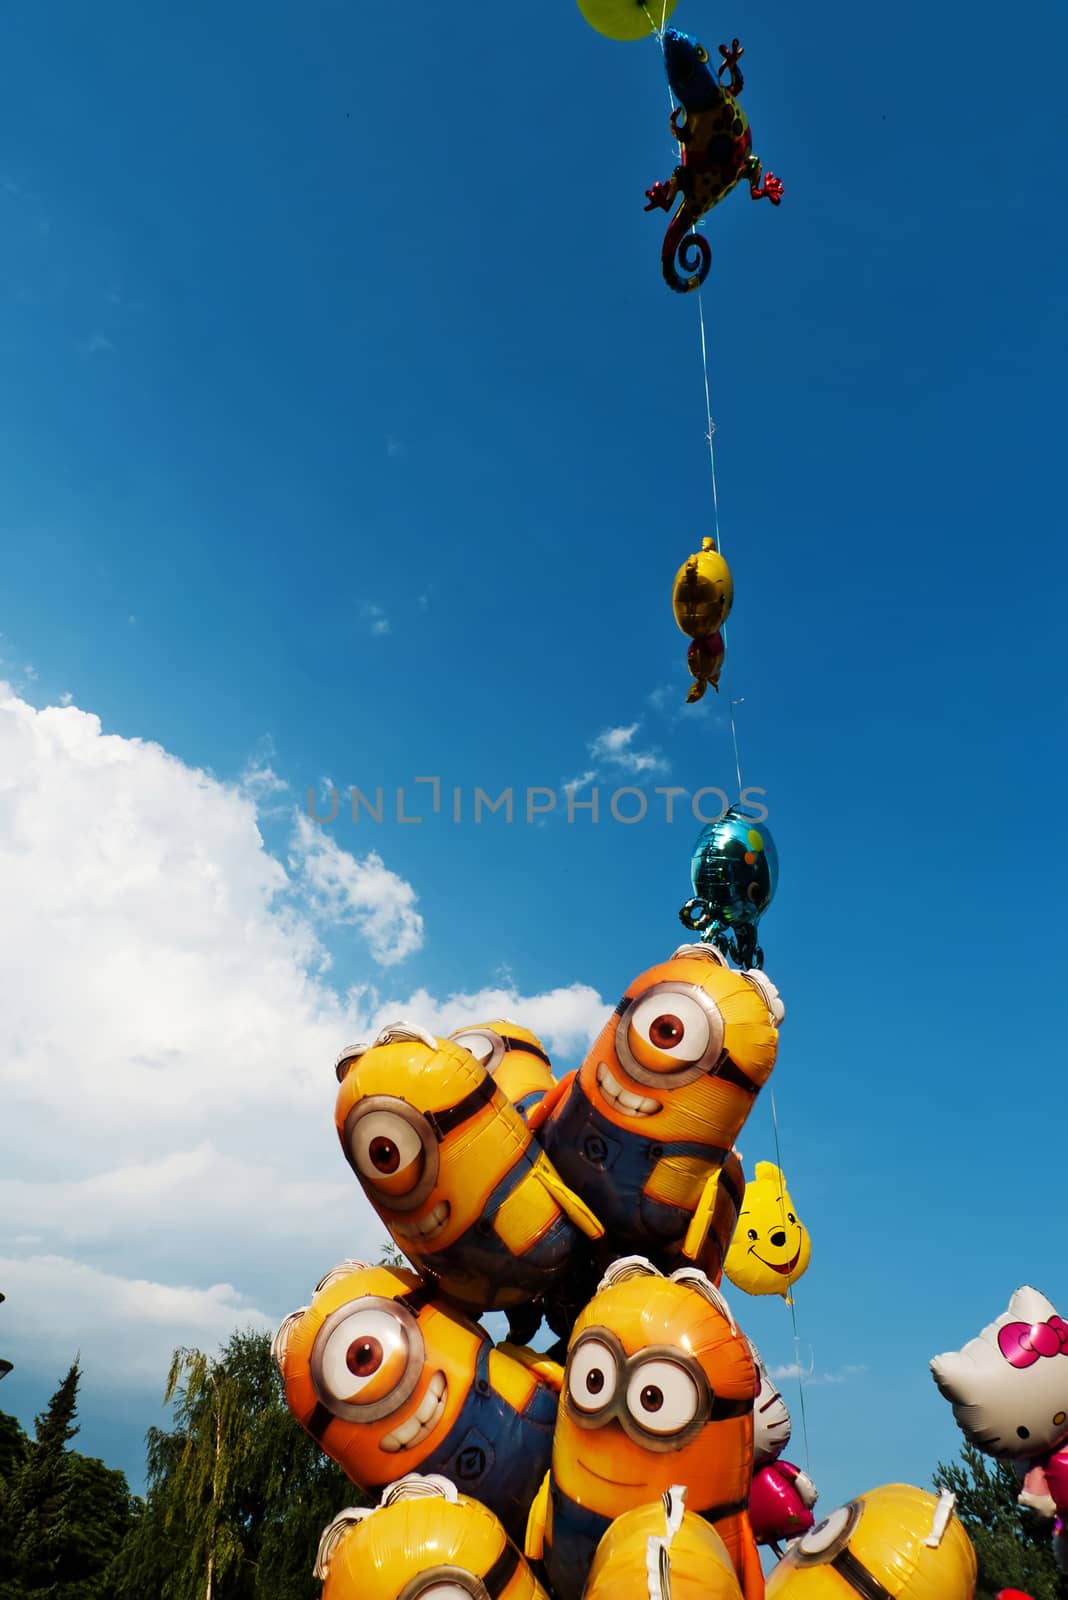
x: 734, y: 870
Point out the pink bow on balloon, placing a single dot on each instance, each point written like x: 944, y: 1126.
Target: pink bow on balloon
x: 1021, y: 1343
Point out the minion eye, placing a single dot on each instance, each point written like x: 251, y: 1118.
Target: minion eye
x: 593, y: 1377
x: 673, y: 1024
x: 829, y: 1537
x: 387, y: 1152
x: 443, y: 1591
x: 481, y: 1046
x: 662, y: 1397
x: 364, y: 1358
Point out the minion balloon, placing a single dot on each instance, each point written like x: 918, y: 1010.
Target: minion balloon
x: 643, y: 1131
x: 454, y: 1173
x: 423, y: 1539
x: 514, y: 1057
x: 662, y: 1552
x: 388, y: 1379
x: 734, y: 870
x: 658, y: 1391
x: 893, y: 1543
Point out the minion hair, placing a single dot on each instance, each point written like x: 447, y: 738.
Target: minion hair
x: 342, y: 1270
x: 281, y: 1338
x: 940, y: 1521
x: 627, y: 1267
x: 420, y: 1486
x: 333, y: 1534
x: 351, y: 1053
x: 768, y: 993
x: 402, y: 1032
x: 709, y: 952
x: 658, y: 1547
x: 692, y: 1278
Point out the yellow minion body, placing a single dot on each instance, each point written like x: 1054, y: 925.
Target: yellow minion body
x: 424, y: 1542
x: 453, y: 1171
x: 687, y: 1553
x: 892, y: 1543
x: 388, y: 1378
x: 514, y: 1057
x: 658, y: 1391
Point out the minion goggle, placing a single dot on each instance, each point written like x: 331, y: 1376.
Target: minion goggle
x: 489, y: 1047
x: 672, y: 1034
x: 395, y: 1149
x: 660, y: 1397
x: 827, y: 1545
x: 442, y: 1583
x: 368, y: 1356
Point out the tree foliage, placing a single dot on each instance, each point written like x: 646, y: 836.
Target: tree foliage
x: 63, y: 1516
x: 238, y: 1493
x: 1011, y: 1543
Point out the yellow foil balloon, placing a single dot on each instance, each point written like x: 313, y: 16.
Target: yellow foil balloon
x: 771, y: 1248
x: 703, y: 593
x: 662, y: 1549
x: 895, y: 1541
x: 423, y: 1538
x: 626, y: 19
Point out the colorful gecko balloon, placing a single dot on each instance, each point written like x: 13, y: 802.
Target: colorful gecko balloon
x: 717, y: 153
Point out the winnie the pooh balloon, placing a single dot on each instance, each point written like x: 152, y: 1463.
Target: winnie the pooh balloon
x: 771, y: 1249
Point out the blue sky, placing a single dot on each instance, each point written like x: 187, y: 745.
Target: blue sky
x: 351, y: 433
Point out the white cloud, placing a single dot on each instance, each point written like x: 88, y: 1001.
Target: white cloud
x: 615, y: 747
x: 377, y: 622
x: 810, y: 1376
x: 361, y: 892
x: 123, y: 1329
x: 169, y: 1166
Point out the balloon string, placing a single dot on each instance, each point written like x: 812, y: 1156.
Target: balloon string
x: 709, y: 435
x: 790, y: 1286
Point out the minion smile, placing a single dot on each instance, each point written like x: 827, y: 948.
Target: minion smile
x: 423, y: 1420
x: 637, y: 1105
x: 429, y: 1228
x: 617, y: 1483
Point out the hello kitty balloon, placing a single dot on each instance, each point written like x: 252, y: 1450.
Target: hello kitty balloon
x: 1009, y: 1387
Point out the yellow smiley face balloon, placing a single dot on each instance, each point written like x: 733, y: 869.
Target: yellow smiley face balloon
x: 771, y: 1248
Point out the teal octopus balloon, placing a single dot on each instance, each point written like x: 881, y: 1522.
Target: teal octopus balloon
x: 734, y: 870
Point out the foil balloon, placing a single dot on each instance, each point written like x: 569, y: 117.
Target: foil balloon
x: 717, y: 153
x: 1009, y: 1392
x: 658, y: 1391
x: 705, y: 658
x: 782, y: 1496
x: 626, y: 19
x: 896, y: 1542
x: 771, y: 1249
x: 454, y: 1173
x: 662, y: 1552
x: 734, y: 870
x: 1009, y: 1385
x: 701, y: 599
x: 388, y: 1379
x: 643, y: 1132
x: 422, y: 1539
x: 515, y: 1059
